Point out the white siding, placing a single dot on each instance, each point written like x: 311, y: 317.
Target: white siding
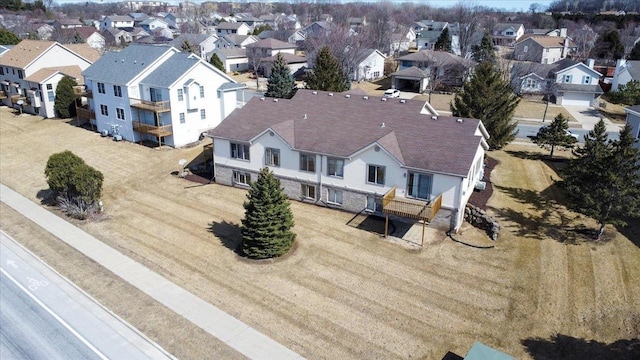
x: 56, y: 56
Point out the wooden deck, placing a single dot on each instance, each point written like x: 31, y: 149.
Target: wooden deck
x: 16, y: 98
x: 156, y: 106
x: 410, y: 208
x: 81, y: 90
x: 157, y: 131
x: 3, y: 95
x: 84, y: 113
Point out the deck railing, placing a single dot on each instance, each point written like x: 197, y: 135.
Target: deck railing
x: 157, y: 106
x: 3, y: 95
x: 85, y: 113
x: 161, y: 130
x: 410, y: 208
x: 81, y: 90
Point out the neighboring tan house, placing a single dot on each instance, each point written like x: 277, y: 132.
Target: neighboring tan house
x: 543, y: 49
x: 30, y: 72
x: 159, y: 94
x: 233, y: 28
x: 233, y: 59
x: 116, y: 21
x: 204, y: 43
x: 506, y: 34
x: 633, y: 119
x: 347, y: 152
x: 626, y: 70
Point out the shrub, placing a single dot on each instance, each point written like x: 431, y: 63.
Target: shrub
x: 77, y: 208
x: 59, y: 170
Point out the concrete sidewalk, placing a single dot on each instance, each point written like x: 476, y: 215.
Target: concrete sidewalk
x: 589, y: 117
x: 228, y: 329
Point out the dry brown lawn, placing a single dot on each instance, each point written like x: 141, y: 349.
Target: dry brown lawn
x: 343, y: 293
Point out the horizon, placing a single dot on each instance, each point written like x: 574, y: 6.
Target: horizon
x: 508, y: 5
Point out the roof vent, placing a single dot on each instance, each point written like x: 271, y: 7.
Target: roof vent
x: 383, y: 99
x: 261, y: 99
x: 347, y: 96
x: 383, y: 125
x: 459, y: 120
x: 330, y: 94
x: 314, y: 92
x: 123, y: 61
x: 434, y: 117
x: 305, y: 116
x: 365, y: 97
x: 275, y: 100
x: 135, y: 61
x: 403, y: 101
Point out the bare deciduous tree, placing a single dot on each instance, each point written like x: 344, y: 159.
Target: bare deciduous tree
x: 379, y: 27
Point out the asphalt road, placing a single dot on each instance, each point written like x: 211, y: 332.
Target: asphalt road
x: 525, y: 130
x: 28, y: 331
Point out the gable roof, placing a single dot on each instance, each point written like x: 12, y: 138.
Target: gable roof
x: 500, y: 27
x: 230, y: 25
x: 195, y: 39
x: 43, y: 74
x: 231, y: 52
x: 633, y: 67
x: 85, y: 51
x: 566, y: 64
x: 546, y: 41
x: 25, y: 52
x: 289, y: 58
x: 414, y: 72
x: 83, y: 31
x: 271, y: 43
x: 171, y: 70
x: 442, y: 58
x: 119, y: 18
x: 123, y: 66
x: 415, y: 140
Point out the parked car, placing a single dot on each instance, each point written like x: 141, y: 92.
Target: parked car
x: 575, y: 136
x: 392, y: 93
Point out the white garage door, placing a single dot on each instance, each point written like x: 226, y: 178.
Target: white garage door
x: 577, y: 99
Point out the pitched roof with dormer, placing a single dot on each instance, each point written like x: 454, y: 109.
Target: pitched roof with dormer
x: 309, y: 120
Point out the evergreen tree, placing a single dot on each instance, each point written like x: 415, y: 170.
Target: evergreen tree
x: 215, y: 61
x: 8, y: 38
x: 443, y: 43
x: 602, y: 180
x: 326, y: 74
x: 77, y: 39
x: 281, y: 83
x: 488, y: 96
x: 187, y: 46
x: 555, y: 134
x: 635, y: 52
x: 59, y: 171
x: 485, y: 52
x: 628, y: 94
x: 267, y: 223
x: 608, y: 46
x: 65, y: 100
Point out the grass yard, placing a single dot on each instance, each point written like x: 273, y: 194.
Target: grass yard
x: 542, y: 292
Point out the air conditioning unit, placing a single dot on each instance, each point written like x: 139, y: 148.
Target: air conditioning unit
x: 117, y: 137
x: 104, y: 133
x: 481, y: 185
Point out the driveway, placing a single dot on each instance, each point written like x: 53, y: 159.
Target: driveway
x: 588, y: 117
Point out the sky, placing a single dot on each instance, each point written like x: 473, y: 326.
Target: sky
x: 511, y: 5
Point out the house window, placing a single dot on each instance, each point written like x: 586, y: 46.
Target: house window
x: 308, y: 162
x: 203, y: 114
x: 567, y: 79
x: 546, y: 50
x: 376, y: 74
x: 529, y: 83
x: 1, y: 71
x: 117, y: 90
x: 101, y: 88
x: 182, y: 119
x: 525, y: 49
x: 374, y: 204
x: 201, y: 91
x: 104, y: 110
x: 120, y: 113
x: 241, y: 178
x: 376, y: 174
x: 180, y: 95
x: 335, y: 167
x: 50, y: 94
x: 308, y: 191
x: 334, y: 196
x: 586, y: 79
x: 240, y: 151
x: 20, y: 74
x: 419, y: 185
x: 272, y: 157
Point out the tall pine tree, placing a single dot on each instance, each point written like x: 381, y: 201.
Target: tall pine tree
x: 635, y: 52
x: 326, y: 74
x: 602, y: 180
x: 488, y: 96
x: 555, y: 135
x: 267, y: 223
x: 281, y: 83
x: 443, y: 43
x: 215, y: 61
x: 608, y: 46
x: 65, y: 101
x: 484, y: 52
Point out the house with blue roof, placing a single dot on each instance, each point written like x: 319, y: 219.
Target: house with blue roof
x: 158, y: 94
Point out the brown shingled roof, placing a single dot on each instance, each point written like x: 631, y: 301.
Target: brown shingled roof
x: 85, y: 51
x: 73, y: 71
x: 548, y: 41
x: 341, y: 126
x: 25, y: 52
x: 271, y: 43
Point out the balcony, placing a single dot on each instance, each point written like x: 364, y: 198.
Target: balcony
x: 18, y: 97
x: 81, y: 90
x: 156, y: 106
x: 409, y: 208
x: 157, y: 131
x: 84, y: 113
x: 3, y: 95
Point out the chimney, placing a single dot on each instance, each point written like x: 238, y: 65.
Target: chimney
x: 565, y: 48
x: 563, y: 32
x: 590, y: 63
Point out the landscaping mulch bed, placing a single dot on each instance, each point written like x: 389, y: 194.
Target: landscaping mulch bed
x: 479, y: 198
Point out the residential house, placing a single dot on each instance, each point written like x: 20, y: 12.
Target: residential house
x: 249, y: 19
x: 357, y: 23
x: 346, y: 152
x: 30, y: 72
x: 446, y: 70
x: 294, y: 62
x: 543, y: 49
x: 4, y: 49
x: 116, y: 37
x: 428, y: 32
x: 138, y: 18
x: 265, y: 48
x: 159, y: 94
x: 233, y: 28
x: 233, y: 41
x: 86, y: 34
x: 316, y: 29
x: 204, y: 43
x: 44, y: 31
x: 60, y: 24
x: 368, y: 65
x: 140, y: 5
x: 507, y: 34
x: 626, y: 70
x: 429, y: 25
x: 151, y: 25
x: 633, y: 119
x: 116, y: 21
x: 411, y: 79
x: 233, y: 59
